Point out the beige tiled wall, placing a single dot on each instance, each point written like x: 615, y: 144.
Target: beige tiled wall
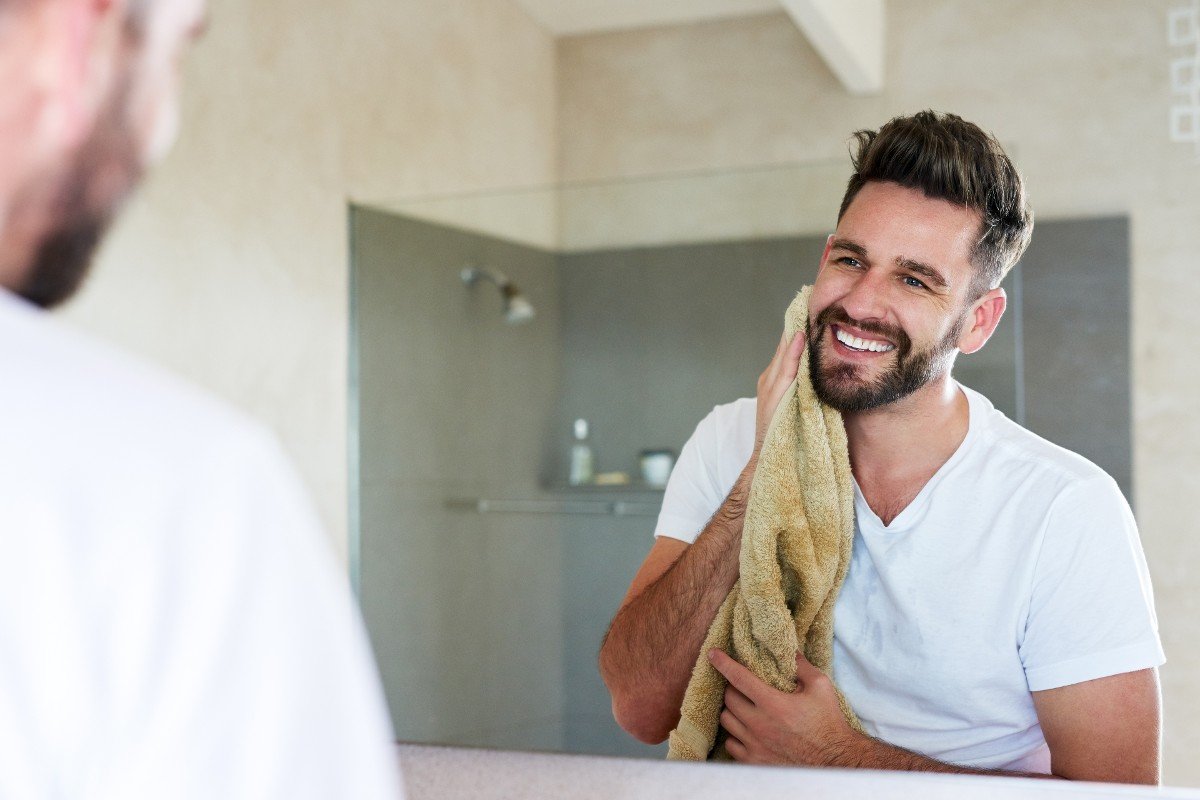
x: 231, y: 267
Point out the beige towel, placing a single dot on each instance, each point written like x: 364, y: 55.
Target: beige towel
x: 796, y: 542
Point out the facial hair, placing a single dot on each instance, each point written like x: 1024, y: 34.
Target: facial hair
x: 90, y: 192
x: 841, y: 385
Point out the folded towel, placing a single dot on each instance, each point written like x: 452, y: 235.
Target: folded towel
x: 796, y: 541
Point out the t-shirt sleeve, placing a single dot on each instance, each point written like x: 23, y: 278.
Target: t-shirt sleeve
x: 694, y: 490
x: 1091, y: 610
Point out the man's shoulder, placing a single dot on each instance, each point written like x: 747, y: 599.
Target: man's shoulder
x: 734, y: 413
x: 1019, y: 452
x: 729, y: 423
x: 126, y: 456
x: 73, y: 397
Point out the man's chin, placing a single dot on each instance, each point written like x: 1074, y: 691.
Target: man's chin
x: 846, y: 398
x: 91, y: 189
x: 62, y: 263
x: 850, y: 387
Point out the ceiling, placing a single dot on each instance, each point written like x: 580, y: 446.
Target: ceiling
x: 848, y: 34
x: 568, y: 17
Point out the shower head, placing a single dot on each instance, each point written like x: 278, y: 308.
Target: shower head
x: 516, y: 308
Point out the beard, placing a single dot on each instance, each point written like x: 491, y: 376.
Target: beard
x: 87, y: 197
x: 843, y: 387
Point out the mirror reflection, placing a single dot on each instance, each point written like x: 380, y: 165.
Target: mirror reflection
x: 529, y: 364
x: 472, y: 530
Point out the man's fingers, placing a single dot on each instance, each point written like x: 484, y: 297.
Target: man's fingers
x: 738, y: 676
x: 736, y: 749
x: 734, y: 726
x: 775, y: 380
x: 780, y: 349
x: 806, y: 673
x: 778, y: 359
x: 789, y: 348
x: 737, y: 702
x: 782, y: 370
x: 791, y: 361
x: 797, y: 346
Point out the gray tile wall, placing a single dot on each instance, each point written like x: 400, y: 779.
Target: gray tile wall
x: 1076, y: 340
x: 464, y: 610
x: 655, y: 337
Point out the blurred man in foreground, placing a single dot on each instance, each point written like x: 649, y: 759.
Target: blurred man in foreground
x: 172, y: 623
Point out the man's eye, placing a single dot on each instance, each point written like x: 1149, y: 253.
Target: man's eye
x: 850, y: 262
x: 913, y: 282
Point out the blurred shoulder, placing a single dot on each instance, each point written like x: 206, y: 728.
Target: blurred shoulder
x: 82, y: 404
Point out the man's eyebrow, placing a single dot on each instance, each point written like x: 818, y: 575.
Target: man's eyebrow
x: 924, y: 270
x: 853, y: 247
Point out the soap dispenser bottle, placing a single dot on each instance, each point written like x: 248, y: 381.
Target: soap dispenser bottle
x: 582, y: 467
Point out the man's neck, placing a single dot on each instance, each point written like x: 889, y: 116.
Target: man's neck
x: 906, y: 442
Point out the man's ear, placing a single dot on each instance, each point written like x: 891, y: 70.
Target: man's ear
x: 982, y: 319
x: 825, y: 253
x: 79, y: 54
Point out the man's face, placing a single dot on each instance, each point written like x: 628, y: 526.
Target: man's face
x: 891, y: 300
x: 134, y: 127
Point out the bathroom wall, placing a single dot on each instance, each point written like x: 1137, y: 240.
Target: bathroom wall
x: 1075, y: 287
x: 678, y: 328
x: 231, y: 267
x: 463, y: 609
x: 1077, y: 89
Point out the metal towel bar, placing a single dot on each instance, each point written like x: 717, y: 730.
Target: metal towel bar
x: 617, y: 508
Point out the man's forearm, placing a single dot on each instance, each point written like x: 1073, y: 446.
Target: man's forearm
x: 651, y: 647
x: 866, y: 752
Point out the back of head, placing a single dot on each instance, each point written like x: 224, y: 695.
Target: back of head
x: 948, y: 158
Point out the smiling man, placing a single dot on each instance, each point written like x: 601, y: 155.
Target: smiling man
x: 997, y: 616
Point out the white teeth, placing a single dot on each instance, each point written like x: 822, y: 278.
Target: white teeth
x: 863, y: 344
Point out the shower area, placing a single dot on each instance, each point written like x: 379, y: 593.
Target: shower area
x: 484, y: 326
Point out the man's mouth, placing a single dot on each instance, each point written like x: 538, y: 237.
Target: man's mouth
x: 862, y: 345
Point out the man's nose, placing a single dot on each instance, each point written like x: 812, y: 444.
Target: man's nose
x: 867, y: 298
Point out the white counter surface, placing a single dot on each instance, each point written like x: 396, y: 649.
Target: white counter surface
x: 450, y: 773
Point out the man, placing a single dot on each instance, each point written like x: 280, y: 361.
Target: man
x: 172, y: 624
x: 997, y: 615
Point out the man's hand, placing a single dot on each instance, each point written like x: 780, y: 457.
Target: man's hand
x: 648, y: 654
x: 774, y: 383
x: 767, y: 726
x: 1101, y: 730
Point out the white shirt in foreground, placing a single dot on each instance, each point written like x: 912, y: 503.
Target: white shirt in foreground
x: 1017, y: 568
x: 172, y: 623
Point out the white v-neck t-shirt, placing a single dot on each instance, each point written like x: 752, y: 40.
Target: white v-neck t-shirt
x: 1016, y: 569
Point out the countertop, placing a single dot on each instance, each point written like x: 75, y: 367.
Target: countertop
x: 451, y: 773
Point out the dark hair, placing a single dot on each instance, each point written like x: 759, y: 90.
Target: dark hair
x: 951, y: 159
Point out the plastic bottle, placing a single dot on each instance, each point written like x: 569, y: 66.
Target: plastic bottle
x: 582, y: 466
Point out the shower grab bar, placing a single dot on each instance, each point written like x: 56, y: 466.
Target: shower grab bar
x: 616, y: 508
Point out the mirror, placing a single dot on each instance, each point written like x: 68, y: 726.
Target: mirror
x: 486, y: 578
